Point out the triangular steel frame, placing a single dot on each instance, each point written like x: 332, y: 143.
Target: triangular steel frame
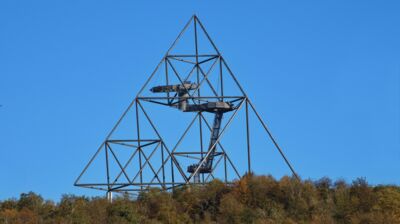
x: 168, y: 155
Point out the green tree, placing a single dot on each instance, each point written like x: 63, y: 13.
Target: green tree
x: 252, y: 199
x: 30, y: 201
x: 230, y: 209
x: 122, y: 211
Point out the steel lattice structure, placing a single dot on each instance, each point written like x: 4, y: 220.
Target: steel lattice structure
x: 201, y: 91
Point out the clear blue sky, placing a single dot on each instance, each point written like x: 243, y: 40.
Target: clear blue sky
x: 325, y: 75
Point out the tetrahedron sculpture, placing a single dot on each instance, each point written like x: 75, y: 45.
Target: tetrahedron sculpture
x: 174, y: 132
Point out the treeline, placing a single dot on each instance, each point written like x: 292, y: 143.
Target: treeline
x: 253, y: 199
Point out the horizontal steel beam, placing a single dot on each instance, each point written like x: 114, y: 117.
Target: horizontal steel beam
x: 192, y: 55
x: 179, y: 153
x: 134, y: 140
x: 190, y: 97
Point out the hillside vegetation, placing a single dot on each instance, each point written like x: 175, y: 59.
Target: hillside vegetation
x: 253, y: 199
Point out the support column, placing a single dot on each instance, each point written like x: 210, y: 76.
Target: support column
x: 248, y: 137
x: 109, y: 196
